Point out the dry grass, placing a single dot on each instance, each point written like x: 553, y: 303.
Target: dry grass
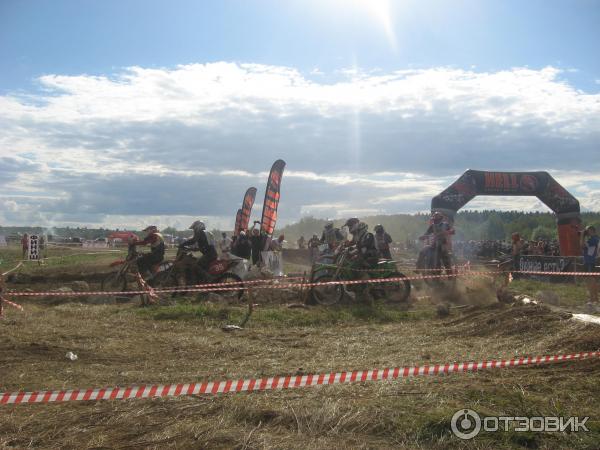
x: 125, y: 345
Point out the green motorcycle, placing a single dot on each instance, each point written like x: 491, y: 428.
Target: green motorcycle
x: 342, y: 268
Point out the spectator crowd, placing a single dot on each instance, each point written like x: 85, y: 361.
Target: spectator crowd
x: 496, y: 248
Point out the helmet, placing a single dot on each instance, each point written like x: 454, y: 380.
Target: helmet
x: 437, y: 217
x: 378, y: 228
x: 242, y: 233
x: 352, y: 224
x: 329, y: 224
x: 198, y: 225
x: 151, y: 229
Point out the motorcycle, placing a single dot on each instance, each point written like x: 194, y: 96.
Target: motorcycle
x: 184, y: 271
x: 126, y: 273
x: 341, y: 269
x: 429, y: 262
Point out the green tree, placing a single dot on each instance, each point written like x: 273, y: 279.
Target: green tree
x: 542, y: 232
x: 494, y: 228
x: 169, y: 230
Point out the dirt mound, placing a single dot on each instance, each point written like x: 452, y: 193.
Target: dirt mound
x: 506, y: 320
x: 58, y: 278
x: 584, y: 338
x: 460, y: 292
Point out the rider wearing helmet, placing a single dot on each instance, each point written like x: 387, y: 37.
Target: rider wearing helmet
x: 439, y: 233
x: 366, y: 252
x: 157, y: 249
x: 204, y: 242
x: 331, y: 236
x: 383, y: 241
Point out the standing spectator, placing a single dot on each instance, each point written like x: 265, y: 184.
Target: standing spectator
x: 256, y: 243
x: 301, y: 243
x: 25, y: 244
x: 225, y: 245
x: 242, y: 247
x: 277, y: 245
x: 589, y: 245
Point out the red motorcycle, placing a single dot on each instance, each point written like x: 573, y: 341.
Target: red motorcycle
x: 184, y: 271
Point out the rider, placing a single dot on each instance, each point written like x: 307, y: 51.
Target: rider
x: 383, y: 241
x: 331, y: 236
x: 440, y: 231
x: 313, y: 247
x: 204, y: 242
x: 366, y: 253
x: 157, y: 249
x: 301, y: 243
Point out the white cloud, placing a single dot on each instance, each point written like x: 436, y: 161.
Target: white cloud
x: 189, y: 140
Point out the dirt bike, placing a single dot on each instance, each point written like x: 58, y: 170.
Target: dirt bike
x: 341, y: 269
x: 126, y: 273
x: 184, y: 271
x: 430, y: 262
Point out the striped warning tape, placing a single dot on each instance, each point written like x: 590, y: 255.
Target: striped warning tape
x: 277, y: 382
x: 8, y: 302
x: 215, y: 287
x: 261, y: 284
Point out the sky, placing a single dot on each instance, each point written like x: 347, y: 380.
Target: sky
x: 125, y: 113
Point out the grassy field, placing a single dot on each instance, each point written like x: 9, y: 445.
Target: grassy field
x: 127, y: 345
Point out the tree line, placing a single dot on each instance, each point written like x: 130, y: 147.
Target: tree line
x: 469, y: 225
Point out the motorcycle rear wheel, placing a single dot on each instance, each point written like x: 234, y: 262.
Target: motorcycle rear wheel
x: 395, y: 291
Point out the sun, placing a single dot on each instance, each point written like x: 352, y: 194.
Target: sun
x: 381, y: 12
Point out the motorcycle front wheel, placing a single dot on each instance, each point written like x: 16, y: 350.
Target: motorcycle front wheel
x: 114, y: 282
x: 161, y: 281
x: 234, y: 281
x: 329, y: 294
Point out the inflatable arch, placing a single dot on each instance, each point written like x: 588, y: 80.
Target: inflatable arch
x: 539, y: 184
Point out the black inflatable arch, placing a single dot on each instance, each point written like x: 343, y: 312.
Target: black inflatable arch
x: 539, y: 184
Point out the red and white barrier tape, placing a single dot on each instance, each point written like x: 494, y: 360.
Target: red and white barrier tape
x: 152, y: 297
x: 277, y: 382
x: 266, y: 284
x: 8, y: 302
x: 215, y: 287
x: 13, y: 269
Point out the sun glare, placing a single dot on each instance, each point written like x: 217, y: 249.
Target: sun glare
x: 381, y: 11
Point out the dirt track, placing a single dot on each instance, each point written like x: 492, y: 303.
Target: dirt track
x: 124, y: 345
